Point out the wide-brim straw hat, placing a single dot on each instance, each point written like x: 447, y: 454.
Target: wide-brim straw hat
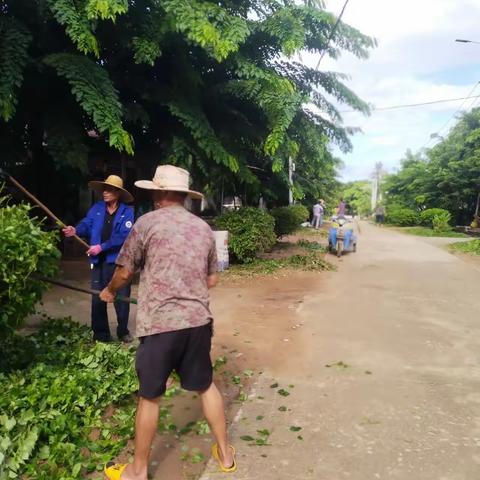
x: 170, y: 179
x: 112, y: 181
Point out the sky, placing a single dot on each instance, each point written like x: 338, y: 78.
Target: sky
x: 417, y: 60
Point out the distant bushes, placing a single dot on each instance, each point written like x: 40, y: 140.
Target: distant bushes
x: 441, y: 222
x: 288, y: 219
x: 251, y: 232
x: 403, y: 217
x: 436, y: 218
x: 427, y: 216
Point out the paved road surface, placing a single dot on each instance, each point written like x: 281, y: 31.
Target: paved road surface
x: 402, y: 318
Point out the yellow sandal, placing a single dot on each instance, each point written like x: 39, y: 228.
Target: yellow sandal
x: 216, y: 456
x: 114, y: 471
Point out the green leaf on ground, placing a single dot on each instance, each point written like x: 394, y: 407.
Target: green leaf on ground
x: 295, y: 429
x: 274, y: 385
x: 283, y: 392
x: 283, y: 408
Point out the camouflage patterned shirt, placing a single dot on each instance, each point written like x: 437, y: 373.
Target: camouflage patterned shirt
x: 175, y: 252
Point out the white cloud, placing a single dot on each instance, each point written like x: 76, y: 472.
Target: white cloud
x: 416, y: 61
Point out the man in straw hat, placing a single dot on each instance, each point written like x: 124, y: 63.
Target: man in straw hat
x: 106, y: 226
x: 176, y: 255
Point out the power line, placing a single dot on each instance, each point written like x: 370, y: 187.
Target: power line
x: 409, y: 105
x: 453, y: 116
x: 332, y: 33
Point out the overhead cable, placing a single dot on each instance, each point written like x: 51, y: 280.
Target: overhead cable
x: 332, y: 33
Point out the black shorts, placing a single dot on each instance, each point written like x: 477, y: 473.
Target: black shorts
x: 186, y: 351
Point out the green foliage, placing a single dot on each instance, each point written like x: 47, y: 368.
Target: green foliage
x: 403, y: 217
x: 96, y: 94
x: 472, y: 247
x: 78, y: 27
x: 105, y: 9
x: 14, y: 43
x: 25, y: 249
x: 358, y: 196
x: 427, y: 216
x: 441, y: 222
x: 208, y: 25
x: 285, y: 221
x: 300, y: 211
x: 53, y: 403
x: 311, y: 261
x: 211, y: 85
x: 251, y: 232
x: 445, y: 176
x: 200, y: 129
x: 429, y: 232
x: 288, y: 219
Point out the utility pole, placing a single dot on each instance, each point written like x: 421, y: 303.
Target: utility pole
x: 376, y: 179
x: 291, y: 169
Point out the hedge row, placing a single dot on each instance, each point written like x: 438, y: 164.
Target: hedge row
x: 253, y: 231
x: 436, y: 218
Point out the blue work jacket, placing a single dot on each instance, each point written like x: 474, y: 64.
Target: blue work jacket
x: 92, y: 225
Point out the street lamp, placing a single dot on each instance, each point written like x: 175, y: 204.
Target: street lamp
x: 461, y: 40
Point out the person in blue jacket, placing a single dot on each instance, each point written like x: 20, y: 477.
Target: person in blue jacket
x: 106, y: 226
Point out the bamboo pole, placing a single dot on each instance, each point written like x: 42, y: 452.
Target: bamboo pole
x: 44, y: 208
x: 82, y: 290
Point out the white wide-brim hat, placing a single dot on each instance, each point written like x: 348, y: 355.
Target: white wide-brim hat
x: 112, y: 181
x: 172, y: 179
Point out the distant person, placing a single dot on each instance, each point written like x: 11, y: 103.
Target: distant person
x: 380, y: 214
x: 106, y: 227
x: 318, y: 211
x: 341, y: 208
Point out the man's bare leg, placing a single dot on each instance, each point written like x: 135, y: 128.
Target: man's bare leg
x: 214, y: 411
x: 145, y: 429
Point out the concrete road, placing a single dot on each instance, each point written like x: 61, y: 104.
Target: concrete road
x: 383, y: 378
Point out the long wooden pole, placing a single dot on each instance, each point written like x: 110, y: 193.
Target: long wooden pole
x: 45, y: 209
x: 119, y: 298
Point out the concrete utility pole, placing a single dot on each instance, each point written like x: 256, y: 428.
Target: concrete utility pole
x: 291, y: 169
x: 376, y: 179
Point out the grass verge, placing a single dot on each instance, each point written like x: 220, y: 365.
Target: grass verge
x: 310, y: 262
x: 429, y: 232
x: 311, y: 232
x: 472, y: 247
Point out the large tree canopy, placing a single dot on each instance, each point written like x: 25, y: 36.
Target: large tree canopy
x: 446, y: 176
x: 212, y: 86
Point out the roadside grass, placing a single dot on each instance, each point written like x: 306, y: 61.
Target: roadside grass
x: 429, y: 232
x: 311, y: 261
x: 312, y: 232
x: 472, y: 247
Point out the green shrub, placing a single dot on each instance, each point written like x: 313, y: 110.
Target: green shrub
x: 285, y: 221
x: 25, y: 249
x: 251, y: 232
x: 403, y: 217
x: 441, y: 222
x: 301, y: 212
x: 288, y: 219
x: 426, y: 217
